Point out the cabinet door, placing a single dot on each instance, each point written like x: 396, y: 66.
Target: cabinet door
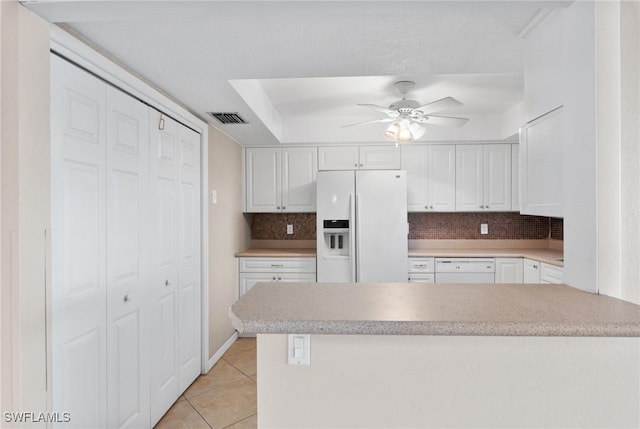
x: 296, y: 277
x: 509, y: 270
x: 550, y: 273
x: 164, y: 265
x: 531, y: 271
x: 263, y: 179
x: 189, y: 284
x: 515, y: 179
x: 338, y: 158
x: 469, y: 178
x: 249, y: 280
x: 441, y: 179
x: 422, y: 278
x: 128, y: 285
x: 415, y: 161
x: 379, y: 158
x: 497, y: 177
x: 541, y: 184
x: 299, y: 169
x: 79, y: 331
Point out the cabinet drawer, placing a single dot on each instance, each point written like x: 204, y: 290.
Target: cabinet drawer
x: 281, y: 265
x: 550, y: 273
x: 465, y: 265
x: 421, y: 265
x: 421, y: 278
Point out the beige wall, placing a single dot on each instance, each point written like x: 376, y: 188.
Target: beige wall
x: 229, y: 232
x: 25, y: 207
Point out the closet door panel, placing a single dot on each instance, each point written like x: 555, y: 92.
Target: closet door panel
x: 78, y: 245
x: 189, y: 252
x: 127, y: 178
x: 164, y: 263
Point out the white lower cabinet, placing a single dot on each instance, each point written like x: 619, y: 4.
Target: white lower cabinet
x: 531, y: 271
x: 421, y: 270
x: 509, y: 270
x: 550, y: 273
x: 254, y: 270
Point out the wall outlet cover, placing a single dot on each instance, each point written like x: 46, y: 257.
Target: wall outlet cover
x: 484, y: 228
x: 289, y: 229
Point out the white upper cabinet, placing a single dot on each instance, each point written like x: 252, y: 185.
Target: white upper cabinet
x: 483, y: 177
x: 359, y: 158
x: 515, y: 177
x: 430, y: 177
x: 541, y: 184
x: 263, y: 179
x: 497, y: 177
x: 299, y: 168
x: 544, y: 77
x: 280, y: 179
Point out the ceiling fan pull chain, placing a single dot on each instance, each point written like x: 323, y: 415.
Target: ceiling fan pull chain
x: 161, y: 123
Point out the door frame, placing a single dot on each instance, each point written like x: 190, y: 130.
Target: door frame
x: 74, y: 50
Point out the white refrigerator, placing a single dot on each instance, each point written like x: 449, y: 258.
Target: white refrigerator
x: 362, y: 229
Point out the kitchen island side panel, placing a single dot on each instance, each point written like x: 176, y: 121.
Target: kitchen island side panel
x: 371, y: 381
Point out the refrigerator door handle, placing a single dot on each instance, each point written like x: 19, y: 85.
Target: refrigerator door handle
x: 358, y: 201
x: 352, y: 241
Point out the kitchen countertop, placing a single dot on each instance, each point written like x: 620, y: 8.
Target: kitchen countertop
x: 277, y: 253
x: 548, y: 256
x: 432, y: 309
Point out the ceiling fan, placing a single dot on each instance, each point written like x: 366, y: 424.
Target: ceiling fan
x: 408, y: 116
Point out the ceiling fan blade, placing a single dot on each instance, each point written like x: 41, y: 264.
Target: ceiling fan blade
x: 369, y: 122
x: 438, y: 106
x: 448, y: 121
x: 378, y: 108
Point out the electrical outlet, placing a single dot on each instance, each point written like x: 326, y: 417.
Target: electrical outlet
x: 289, y: 229
x: 484, y: 228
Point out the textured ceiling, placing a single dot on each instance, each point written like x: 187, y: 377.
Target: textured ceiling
x: 192, y: 50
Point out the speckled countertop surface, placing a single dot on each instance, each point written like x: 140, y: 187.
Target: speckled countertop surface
x: 277, y: 253
x: 432, y: 309
x: 548, y: 256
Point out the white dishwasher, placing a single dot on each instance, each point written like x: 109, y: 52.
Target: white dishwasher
x: 465, y: 270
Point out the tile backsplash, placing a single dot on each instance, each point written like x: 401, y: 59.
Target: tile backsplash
x: 422, y: 226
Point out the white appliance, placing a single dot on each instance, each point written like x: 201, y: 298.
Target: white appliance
x: 463, y: 270
x: 362, y: 229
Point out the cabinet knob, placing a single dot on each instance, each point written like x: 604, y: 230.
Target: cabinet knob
x: 426, y: 207
x: 278, y: 207
x: 355, y: 165
x: 273, y: 279
x: 283, y: 207
x: 279, y: 278
x: 126, y: 298
x: 360, y: 165
x: 167, y: 282
x: 431, y: 207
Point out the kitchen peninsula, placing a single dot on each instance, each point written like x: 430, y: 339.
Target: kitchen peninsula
x: 432, y: 355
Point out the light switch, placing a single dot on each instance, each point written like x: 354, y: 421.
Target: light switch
x: 214, y: 197
x: 290, y: 229
x: 484, y: 228
x: 299, y: 349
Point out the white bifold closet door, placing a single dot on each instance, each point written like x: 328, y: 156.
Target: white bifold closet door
x: 126, y: 255
x: 175, y: 176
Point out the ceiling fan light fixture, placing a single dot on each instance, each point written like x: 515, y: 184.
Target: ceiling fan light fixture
x: 392, y: 131
x: 417, y: 130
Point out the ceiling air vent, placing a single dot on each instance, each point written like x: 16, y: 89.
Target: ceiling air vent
x: 228, y: 118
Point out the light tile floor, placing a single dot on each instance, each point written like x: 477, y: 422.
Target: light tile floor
x: 225, y: 398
